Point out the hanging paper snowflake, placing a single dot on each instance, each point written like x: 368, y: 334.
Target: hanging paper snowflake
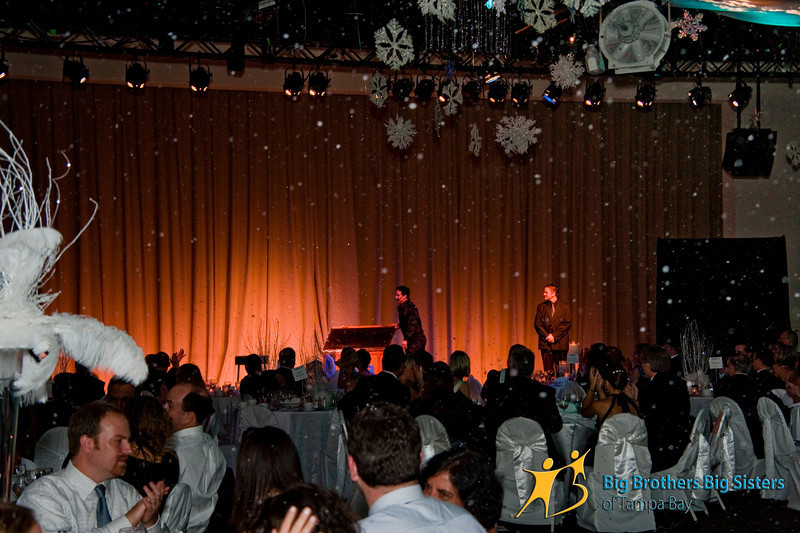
x: 538, y: 13
x: 475, y: 140
x: 378, y: 89
x: 793, y: 153
x: 588, y: 8
x: 443, y: 9
x: 499, y: 6
x: 451, y: 92
x: 393, y: 45
x: 566, y: 72
x: 516, y: 134
x: 438, y: 118
x: 401, y: 132
x: 690, y: 26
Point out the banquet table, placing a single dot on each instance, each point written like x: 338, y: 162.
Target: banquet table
x: 576, y: 432
x: 309, y: 432
x: 697, y: 403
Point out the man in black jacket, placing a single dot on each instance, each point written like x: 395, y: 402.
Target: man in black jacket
x: 409, y: 322
x: 552, y: 323
x: 520, y: 395
x: 382, y: 387
x: 664, y: 405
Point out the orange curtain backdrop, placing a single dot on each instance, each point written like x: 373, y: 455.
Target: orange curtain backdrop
x: 222, y: 213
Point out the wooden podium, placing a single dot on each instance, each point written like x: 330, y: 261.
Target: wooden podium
x: 371, y: 338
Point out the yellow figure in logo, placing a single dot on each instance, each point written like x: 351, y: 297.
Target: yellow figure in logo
x: 543, y: 483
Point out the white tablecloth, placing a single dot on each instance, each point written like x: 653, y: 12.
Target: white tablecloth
x: 309, y: 431
x: 696, y: 403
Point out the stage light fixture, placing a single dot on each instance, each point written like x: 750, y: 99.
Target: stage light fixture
x: 521, y: 92
x: 472, y: 90
x: 492, y: 69
x: 443, y: 96
x: 740, y: 96
x: 401, y: 89
x: 645, y: 96
x: 552, y: 94
x: 136, y: 74
x: 318, y: 84
x: 595, y: 91
x: 498, y: 91
x: 293, y: 83
x: 699, y: 96
x: 199, y: 78
x: 3, y: 65
x: 424, y: 89
x: 75, y: 71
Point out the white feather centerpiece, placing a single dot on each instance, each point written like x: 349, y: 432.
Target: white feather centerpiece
x: 30, y: 341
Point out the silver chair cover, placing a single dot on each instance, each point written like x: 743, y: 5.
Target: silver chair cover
x: 778, y: 448
x: 434, y: 436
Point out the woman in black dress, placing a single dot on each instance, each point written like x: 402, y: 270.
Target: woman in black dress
x: 151, y: 459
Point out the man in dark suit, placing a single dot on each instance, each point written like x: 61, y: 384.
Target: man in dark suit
x: 382, y: 387
x: 766, y: 381
x: 675, y: 360
x: 520, y: 395
x: 738, y: 386
x: 553, y: 322
x: 664, y: 406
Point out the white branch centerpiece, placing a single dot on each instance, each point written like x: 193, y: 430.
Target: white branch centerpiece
x: 696, y: 348
x: 30, y: 341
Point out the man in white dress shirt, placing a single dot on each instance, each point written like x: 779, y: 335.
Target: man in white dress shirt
x: 201, y: 461
x: 72, y: 499
x: 383, y: 455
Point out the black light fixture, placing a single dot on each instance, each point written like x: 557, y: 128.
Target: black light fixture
x: 75, y: 71
x: 472, y: 90
x: 318, y: 83
x: 3, y: 65
x: 234, y: 57
x: 740, y: 96
x: 700, y: 95
x: 645, y: 96
x: 199, y: 78
x: 293, y: 83
x: 424, y: 89
x: 136, y: 74
x: 498, y: 91
x: 444, y: 97
x: 552, y: 94
x: 595, y: 91
x: 401, y: 88
x: 521, y: 92
x: 492, y: 69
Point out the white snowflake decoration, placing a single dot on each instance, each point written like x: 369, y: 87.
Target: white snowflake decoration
x: 588, y: 8
x: 499, y: 6
x: 566, y: 72
x: 690, y: 26
x: 793, y: 153
x: 539, y: 14
x: 393, y: 45
x: 378, y: 89
x: 444, y: 10
x: 475, y: 140
x: 516, y: 134
x: 400, y: 132
x: 452, y: 92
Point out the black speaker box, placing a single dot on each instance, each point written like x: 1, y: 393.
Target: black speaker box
x: 749, y: 153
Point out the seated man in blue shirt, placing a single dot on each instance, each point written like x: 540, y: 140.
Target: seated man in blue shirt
x: 383, y: 449
x: 88, y: 494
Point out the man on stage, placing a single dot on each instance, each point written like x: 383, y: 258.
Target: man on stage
x: 410, y: 324
x: 553, y: 321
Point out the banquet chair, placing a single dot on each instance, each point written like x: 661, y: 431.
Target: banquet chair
x: 253, y: 416
x: 434, y: 436
x: 695, y: 464
x: 778, y: 448
x: 794, y: 480
x: 731, y: 445
x: 177, y: 506
x: 335, y: 470
x: 52, y: 448
x: 521, y: 446
x: 621, y: 451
